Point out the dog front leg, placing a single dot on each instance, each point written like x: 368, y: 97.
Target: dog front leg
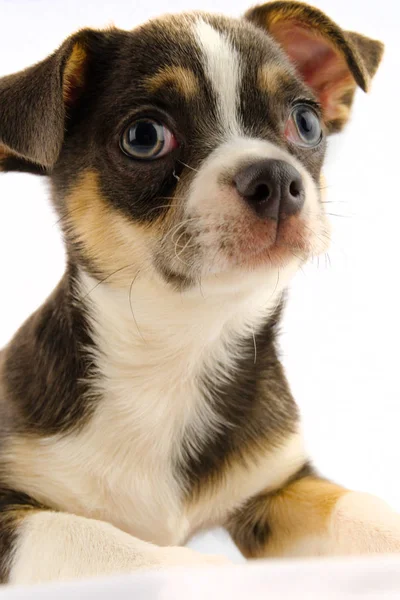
x: 39, y: 545
x: 311, y: 516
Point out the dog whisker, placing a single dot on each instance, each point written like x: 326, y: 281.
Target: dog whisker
x: 255, y: 346
x: 177, y: 255
x: 333, y: 202
x: 337, y: 215
x: 105, y: 279
x: 294, y: 254
x: 172, y: 232
x: 130, y: 304
x: 170, y: 198
x: 180, y: 260
x: 318, y: 235
x: 327, y: 260
x: 162, y: 206
x: 187, y: 245
x: 188, y: 166
x: 180, y: 234
x: 201, y: 287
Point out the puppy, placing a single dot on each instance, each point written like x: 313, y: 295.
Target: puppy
x: 145, y: 399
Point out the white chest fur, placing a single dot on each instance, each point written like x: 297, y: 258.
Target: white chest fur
x: 151, y: 351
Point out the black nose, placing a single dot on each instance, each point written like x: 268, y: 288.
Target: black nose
x: 273, y: 188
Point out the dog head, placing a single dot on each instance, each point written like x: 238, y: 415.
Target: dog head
x: 192, y: 146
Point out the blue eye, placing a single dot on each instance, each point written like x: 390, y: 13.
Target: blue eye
x: 147, y: 139
x: 304, y: 127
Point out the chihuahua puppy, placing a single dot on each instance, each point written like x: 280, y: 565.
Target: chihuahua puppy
x: 145, y: 399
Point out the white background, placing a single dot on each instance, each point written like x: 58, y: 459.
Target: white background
x: 342, y: 325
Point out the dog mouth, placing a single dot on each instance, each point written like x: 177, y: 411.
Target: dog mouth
x: 250, y: 242
x: 242, y: 243
x: 269, y: 241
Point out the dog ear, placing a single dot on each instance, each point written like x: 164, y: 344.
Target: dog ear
x: 331, y: 61
x: 34, y: 104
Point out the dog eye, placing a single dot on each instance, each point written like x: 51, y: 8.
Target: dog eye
x: 147, y: 139
x: 304, y: 127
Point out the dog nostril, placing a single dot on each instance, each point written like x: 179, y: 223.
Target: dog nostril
x: 295, y: 188
x: 262, y: 193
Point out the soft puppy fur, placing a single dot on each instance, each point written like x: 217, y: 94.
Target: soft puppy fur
x: 145, y: 399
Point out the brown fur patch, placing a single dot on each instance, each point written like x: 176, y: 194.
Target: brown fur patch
x: 183, y: 80
x: 116, y: 246
x: 270, y: 524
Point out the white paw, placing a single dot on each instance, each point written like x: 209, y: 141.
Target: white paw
x: 364, y: 524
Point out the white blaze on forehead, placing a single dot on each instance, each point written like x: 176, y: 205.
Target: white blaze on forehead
x: 222, y: 66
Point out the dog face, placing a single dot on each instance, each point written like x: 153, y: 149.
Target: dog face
x: 192, y: 146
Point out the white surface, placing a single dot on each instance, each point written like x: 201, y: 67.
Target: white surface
x: 373, y: 578
x: 341, y: 329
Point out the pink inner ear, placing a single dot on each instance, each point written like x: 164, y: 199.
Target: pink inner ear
x: 321, y: 66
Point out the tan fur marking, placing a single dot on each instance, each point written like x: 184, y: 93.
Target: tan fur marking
x: 271, y: 78
x: 112, y: 242
x: 183, y: 80
x: 301, y: 510
x: 74, y: 71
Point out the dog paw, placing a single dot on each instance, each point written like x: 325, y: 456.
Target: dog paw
x: 364, y: 524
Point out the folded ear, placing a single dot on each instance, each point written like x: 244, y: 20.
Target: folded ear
x: 331, y: 61
x: 34, y: 104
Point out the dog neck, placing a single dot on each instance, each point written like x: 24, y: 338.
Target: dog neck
x: 149, y: 320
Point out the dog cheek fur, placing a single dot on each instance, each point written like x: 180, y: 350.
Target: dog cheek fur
x: 113, y: 246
